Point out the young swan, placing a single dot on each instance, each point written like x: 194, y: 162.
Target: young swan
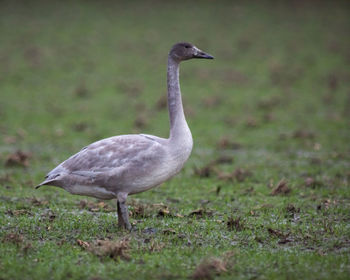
x: 119, y: 166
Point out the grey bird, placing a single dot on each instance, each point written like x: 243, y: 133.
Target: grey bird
x: 116, y: 167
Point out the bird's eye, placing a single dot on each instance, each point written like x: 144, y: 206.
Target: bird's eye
x: 187, y: 47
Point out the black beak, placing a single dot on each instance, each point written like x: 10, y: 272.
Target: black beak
x: 201, y: 54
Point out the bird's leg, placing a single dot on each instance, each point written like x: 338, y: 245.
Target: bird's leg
x: 123, y: 216
x: 120, y: 218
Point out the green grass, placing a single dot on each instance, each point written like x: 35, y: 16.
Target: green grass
x: 75, y: 72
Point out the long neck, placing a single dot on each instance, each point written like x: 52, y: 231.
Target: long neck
x: 178, y: 125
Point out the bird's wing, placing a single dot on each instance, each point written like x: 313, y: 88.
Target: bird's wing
x: 104, y: 156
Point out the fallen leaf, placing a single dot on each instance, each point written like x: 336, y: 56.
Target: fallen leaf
x: 107, y: 248
x: 80, y: 126
x: 200, y: 212
x: 311, y: 182
x: 162, y: 102
x: 241, y: 174
x: 222, y: 160
x: 211, y: 101
x: 95, y: 206
x: 225, y: 176
x: 204, y: 172
x: 269, y: 117
x: 333, y: 81
x: 178, y: 215
x: 226, y: 143
x: 141, y: 120
x: 13, y: 238
x: 83, y: 244
x: 269, y: 103
x: 303, y: 134
x: 38, y: 202
x: 132, y: 89
x: 10, y: 139
x: 208, y: 268
x: 81, y: 91
x: 251, y: 122
x: 6, y: 178
x: 281, y: 188
x: 317, y: 146
x: 163, y: 212
x: 19, y: 158
x: 315, y: 160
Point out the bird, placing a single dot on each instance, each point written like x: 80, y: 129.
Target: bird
x: 119, y: 166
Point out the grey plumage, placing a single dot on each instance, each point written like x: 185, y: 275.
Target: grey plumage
x: 119, y: 166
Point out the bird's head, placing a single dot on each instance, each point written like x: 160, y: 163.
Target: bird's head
x: 184, y: 51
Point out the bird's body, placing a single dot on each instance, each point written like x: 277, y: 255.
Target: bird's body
x: 127, y: 163
x: 119, y: 166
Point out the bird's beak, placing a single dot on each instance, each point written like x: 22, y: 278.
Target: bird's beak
x: 200, y: 54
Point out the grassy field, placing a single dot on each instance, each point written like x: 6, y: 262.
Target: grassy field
x: 265, y: 194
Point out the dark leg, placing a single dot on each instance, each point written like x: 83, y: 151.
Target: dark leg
x: 123, y: 216
x: 120, y: 217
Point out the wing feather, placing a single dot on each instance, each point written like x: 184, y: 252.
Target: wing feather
x: 111, y: 153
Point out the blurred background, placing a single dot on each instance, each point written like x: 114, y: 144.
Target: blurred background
x: 74, y: 72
